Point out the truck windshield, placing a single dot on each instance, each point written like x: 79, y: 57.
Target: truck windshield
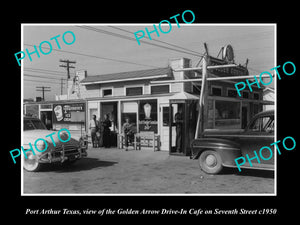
x: 34, y: 124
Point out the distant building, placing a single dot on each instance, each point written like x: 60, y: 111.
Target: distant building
x: 25, y: 100
x: 38, y: 99
x: 269, y: 95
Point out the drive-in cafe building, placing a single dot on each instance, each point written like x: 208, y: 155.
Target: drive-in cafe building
x: 152, y: 107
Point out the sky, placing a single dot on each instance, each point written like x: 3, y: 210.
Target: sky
x: 106, y: 50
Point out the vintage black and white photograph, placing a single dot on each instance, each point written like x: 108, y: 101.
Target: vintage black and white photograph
x: 169, y: 108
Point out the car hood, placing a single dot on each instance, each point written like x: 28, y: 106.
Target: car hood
x: 30, y: 136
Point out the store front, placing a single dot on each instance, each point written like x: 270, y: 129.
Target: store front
x: 142, y: 114
x: 59, y: 114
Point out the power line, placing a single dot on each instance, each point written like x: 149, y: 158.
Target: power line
x: 37, y: 70
x: 245, y: 36
x: 41, y: 81
x: 30, y: 75
x: 164, y: 42
x: 133, y: 39
x: 98, y: 57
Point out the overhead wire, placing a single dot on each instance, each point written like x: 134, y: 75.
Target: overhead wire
x: 133, y: 39
x: 94, y: 56
x: 46, y: 71
x: 41, y: 81
x: 53, y: 78
x: 164, y: 42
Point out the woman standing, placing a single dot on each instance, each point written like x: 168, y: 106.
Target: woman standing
x: 106, y: 131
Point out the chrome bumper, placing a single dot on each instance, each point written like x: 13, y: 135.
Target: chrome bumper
x: 62, y: 155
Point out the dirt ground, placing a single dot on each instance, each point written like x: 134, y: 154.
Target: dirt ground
x: 116, y: 171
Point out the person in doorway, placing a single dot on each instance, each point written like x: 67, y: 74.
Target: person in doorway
x: 48, y: 122
x: 178, y: 123
x: 100, y: 131
x: 93, y: 126
x: 128, y: 133
x: 106, y: 131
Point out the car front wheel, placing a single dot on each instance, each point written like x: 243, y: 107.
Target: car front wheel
x: 210, y: 162
x: 31, y: 163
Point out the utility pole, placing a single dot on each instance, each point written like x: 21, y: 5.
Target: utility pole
x: 61, y: 86
x: 43, y: 89
x: 68, y: 66
x: 202, y: 99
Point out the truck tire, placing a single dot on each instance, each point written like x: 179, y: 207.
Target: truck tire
x: 210, y: 162
x: 31, y: 164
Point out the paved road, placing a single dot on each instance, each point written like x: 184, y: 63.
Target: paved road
x: 115, y: 171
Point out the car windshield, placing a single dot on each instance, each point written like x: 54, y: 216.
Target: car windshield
x: 33, y: 124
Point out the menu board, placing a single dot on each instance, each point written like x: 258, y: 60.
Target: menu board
x: 69, y: 113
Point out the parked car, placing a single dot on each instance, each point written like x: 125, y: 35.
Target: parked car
x: 65, y: 153
x: 219, y: 148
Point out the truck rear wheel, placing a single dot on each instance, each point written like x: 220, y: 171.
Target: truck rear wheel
x: 210, y: 162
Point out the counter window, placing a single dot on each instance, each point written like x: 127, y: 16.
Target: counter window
x: 255, y: 96
x: 216, y: 91
x: 245, y: 94
x: 227, y: 115
x: 232, y: 93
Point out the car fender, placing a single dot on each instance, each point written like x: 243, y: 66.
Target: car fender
x: 228, y: 150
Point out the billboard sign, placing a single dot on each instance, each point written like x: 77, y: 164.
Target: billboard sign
x: 69, y: 113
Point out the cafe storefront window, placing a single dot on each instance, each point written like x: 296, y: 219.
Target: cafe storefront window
x: 142, y: 114
x: 129, y: 110
x: 227, y: 115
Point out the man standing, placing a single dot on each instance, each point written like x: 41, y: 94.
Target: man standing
x: 93, y: 127
x: 127, y: 132
x: 179, y: 123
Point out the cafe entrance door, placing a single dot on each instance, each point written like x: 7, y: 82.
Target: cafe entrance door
x: 182, y: 124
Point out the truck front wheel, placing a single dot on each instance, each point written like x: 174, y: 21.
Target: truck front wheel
x: 210, y: 162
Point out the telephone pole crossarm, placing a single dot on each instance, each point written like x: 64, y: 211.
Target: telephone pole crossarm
x: 43, y: 89
x: 68, y: 66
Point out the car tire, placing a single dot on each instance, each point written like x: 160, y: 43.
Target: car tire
x: 31, y: 164
x: 210, y: 162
